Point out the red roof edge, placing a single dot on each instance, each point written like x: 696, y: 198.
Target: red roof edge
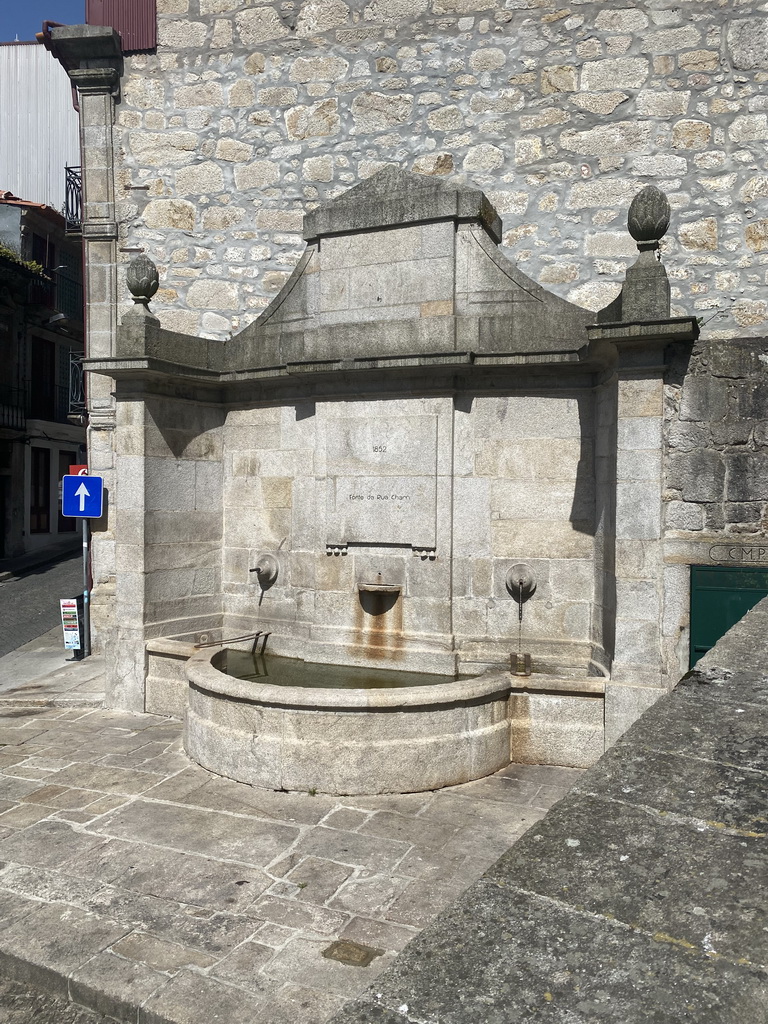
x: 9, y: 199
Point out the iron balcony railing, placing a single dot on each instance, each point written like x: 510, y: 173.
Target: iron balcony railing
x: 42, y: 292
x: 69, y: 297
x: 47, y: 403
x: 12, y: 408
x: 73, y: 199
x: 60, y: 293
x: 76, y: 385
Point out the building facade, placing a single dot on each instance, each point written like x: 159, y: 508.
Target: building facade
x: 41, y: 332
x: 41, y: 301
x: 38, y: 125
x: 210, y: 152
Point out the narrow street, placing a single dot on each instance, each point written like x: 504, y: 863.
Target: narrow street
x: 29, y: 604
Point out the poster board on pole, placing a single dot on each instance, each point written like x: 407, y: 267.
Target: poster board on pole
x: 70, y: 624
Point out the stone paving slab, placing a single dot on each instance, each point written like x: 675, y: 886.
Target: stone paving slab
x: 509, y: 956
x: 143, y: 887
x: 41, y: 672
x: 640, y: 897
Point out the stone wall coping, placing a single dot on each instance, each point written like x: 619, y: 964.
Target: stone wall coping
x: 74, y: 43
x: 549, y: 684
x: 682, y: 328
x: 647, y: 882
x: 395, y: 198
x: 177, y: 648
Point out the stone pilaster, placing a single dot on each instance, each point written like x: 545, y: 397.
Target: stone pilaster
x: 637, y: 671
x: 92, y: 57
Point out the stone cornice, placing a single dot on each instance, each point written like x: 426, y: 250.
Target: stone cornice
x: 646, y: 332
x: 95, y: 80
x: 76, y: 44
x: 395, y: 198
x: 90, y: 54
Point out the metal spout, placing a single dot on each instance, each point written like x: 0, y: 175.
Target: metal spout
x: 520, y: 664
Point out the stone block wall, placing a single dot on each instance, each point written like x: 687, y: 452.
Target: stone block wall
x: 717, y: 470
x: 715, y: 484
x: 168, y: 534
x: 502, y: 480
x: 532, y: 457
x: 246, y: 117
x: 182, y: 471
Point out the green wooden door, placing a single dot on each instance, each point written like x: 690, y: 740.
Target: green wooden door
x: 720, y: 596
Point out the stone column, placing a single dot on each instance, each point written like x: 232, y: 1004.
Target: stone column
x: 93, y: 59
x: 637, y: 676
x: 640, y: 335
x: 638, y: 556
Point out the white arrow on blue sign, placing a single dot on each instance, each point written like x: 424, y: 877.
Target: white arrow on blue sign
x: 82, y: 496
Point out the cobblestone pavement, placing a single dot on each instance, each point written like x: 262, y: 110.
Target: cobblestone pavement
x: 132, y: 877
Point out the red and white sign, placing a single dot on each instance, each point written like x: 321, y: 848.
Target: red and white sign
x: 70, y: 624
x: 78, y: 471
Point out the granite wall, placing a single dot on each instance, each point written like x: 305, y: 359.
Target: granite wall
x: 168, y: 524
x: 717, y: 474
x: 715, y: 496
x: 438, y: 496
x: 246, y: 117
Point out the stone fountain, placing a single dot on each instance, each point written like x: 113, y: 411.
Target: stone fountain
x: 409, y: 419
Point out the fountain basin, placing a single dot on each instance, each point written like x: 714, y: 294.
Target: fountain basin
x: 345, y: 741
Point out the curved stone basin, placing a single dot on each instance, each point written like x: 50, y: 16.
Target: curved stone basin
x: 346, y: 741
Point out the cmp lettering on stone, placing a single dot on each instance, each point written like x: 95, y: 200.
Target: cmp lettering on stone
x: 753, y: 554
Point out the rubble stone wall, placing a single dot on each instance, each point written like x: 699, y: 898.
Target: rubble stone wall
x: 247, y: 116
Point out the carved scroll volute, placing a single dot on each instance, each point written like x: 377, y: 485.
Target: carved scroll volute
x: 143, y: 279
x: 648, y: 217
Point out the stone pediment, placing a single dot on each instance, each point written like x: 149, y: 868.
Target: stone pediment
x: 400, y: 273
x: 401, y: 266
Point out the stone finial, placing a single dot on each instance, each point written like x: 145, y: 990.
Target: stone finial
x: 648, y: 217
x: 646, y: 295
x: 142, y: 279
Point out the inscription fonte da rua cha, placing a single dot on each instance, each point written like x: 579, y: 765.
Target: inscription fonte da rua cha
x: 379, y: 497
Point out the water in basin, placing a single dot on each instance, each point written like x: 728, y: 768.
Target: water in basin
x: 280, y: 671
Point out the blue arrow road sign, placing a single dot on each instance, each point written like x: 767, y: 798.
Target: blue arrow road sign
x: 82, y: 496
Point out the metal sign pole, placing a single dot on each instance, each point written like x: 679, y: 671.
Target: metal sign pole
x: 86, y: 595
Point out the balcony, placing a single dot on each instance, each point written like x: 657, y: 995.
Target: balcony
x: 12, y: 408
x: 59, y: 293
x: 69, y: 297
x: 73, y: 199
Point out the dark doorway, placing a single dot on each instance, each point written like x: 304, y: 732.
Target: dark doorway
x: 42, y: 393
x: 40, y: 496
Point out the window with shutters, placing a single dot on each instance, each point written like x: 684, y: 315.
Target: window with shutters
x: 135, y: 20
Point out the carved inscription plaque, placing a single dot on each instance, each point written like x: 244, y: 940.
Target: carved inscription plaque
x: 381, y: 480
x: 751, y: 553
